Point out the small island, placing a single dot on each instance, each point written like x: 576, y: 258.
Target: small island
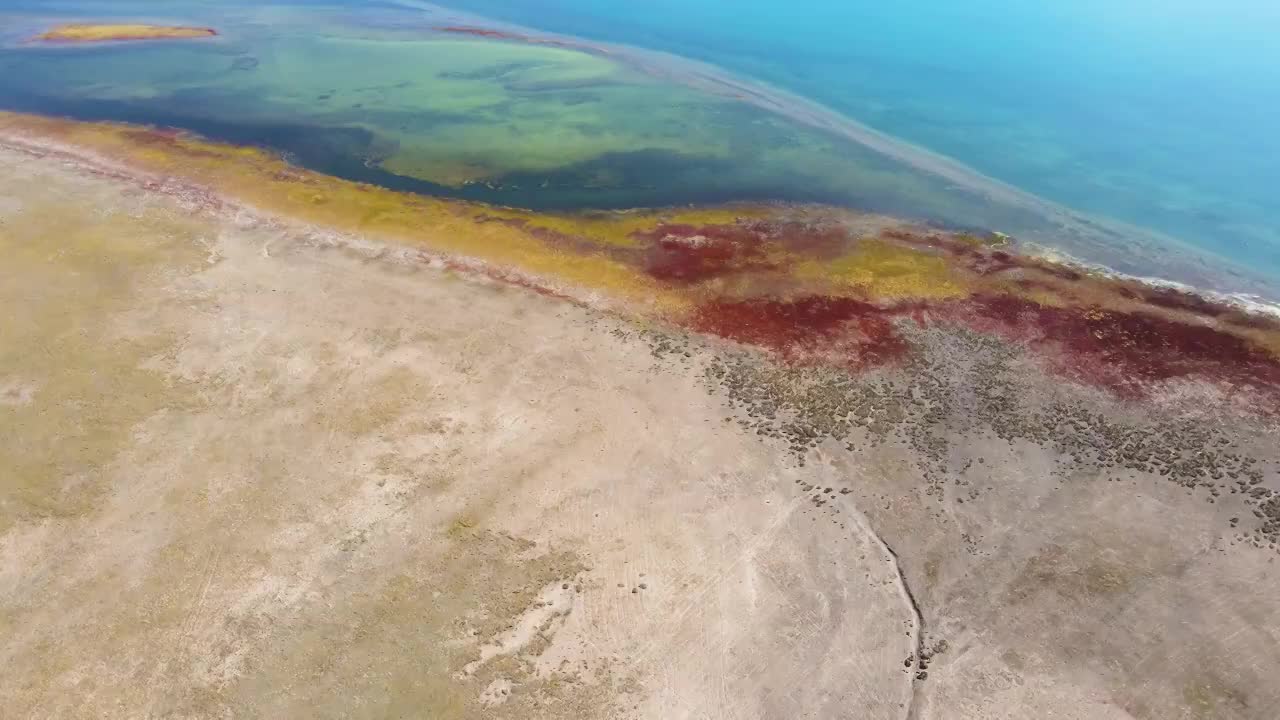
x: 94, y: 33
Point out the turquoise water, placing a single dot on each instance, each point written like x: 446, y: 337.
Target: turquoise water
x: 1146, y: 127
x: 1160, y: 113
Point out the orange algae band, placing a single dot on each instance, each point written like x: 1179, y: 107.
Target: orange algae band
x: 89, y: 33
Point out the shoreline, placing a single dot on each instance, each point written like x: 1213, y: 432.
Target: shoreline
x: 1120, y: 247
x: 809, y: 284
x: 1248, y: 302
x: 1078, y: 226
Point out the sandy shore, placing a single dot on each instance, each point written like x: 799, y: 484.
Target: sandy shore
x: 257, y: 471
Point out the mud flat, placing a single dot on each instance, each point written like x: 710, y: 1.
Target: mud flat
x: 265, y: 464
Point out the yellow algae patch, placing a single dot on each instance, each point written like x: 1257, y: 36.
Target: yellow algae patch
x: 91, y: 33
x: 267, y: 183
x: 1268, y: 340
x: 882, y: 269
x: 590, y: 256
x: 1045, y: 297
x: 619, y: 228
x: 991, y: 240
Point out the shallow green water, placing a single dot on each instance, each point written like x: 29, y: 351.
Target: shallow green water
x: 1159, y: 113
x: 378, y: 94
x: 501, y: 121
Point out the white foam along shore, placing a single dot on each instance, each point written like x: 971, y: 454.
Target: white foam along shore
x: 1067, y: 228
x: 1246, y: 302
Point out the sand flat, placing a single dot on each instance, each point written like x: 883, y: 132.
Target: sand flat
x: 260, y: 471
x: 357, y: 481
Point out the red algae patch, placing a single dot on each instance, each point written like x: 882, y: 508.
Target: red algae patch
x: 958, y: 245
x: 858, y: 334
x: 689, y: 254
x: 480, y: 32
x: 1126, y: 351
x: 809, y: 284
x: 94, y: 33
x: 1179, y: 300
x: 815, y: 240
x: 686, y: 254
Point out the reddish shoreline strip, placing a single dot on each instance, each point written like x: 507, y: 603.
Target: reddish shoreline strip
x: 493, y: 34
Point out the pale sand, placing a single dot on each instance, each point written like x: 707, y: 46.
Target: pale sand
x: 252, y: 474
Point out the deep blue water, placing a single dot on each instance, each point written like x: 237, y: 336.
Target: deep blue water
x: 1159, y: 113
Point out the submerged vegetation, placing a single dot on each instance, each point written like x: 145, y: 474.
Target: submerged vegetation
x: 428, y: 101
x: 490, y: 116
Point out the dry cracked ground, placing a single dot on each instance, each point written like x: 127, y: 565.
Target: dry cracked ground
x: 247, y: 471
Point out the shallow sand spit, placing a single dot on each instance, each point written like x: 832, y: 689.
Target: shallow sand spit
x: 257, y: 465
x: 106, y: 32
